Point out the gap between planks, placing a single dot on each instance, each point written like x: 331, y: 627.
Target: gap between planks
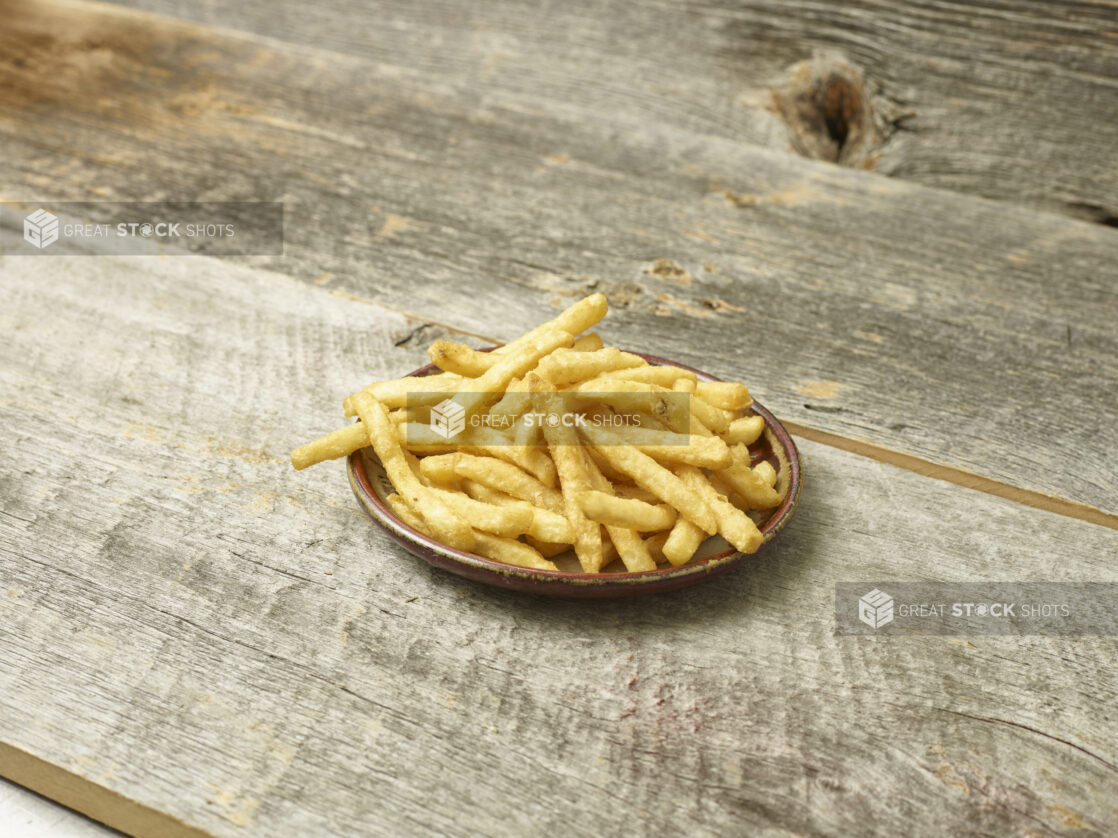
x: 909, y: 462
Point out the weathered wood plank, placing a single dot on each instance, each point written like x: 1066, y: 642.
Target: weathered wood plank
x: 971, y: 334
x: 189, y: 623
x: 1011, y: 100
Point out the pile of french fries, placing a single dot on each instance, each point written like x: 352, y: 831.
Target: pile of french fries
x: 647, y: 496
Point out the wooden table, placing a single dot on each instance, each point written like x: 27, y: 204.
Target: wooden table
x: 896, y: 224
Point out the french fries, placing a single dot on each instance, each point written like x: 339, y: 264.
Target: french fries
x: 541, y: 472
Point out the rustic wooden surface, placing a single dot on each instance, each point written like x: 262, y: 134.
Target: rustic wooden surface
x: 1008, y: 100
x: 193, y: 625
x: 195, y: 640
x: 946, y: 328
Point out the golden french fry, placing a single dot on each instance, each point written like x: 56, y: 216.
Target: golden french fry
x: 649, y: 474
x: 460, y: 359
x: 750, y: 486
x: 733, y: 524
x: 563, y: 443
x: 395, y: 393
x: 547, y: 549
x: 406, y: 514
x: 714, y: 418
x: 339, y: 443
x: 703, y: 451
x: 682, y: 542
x: 566, y: 366
x: 746, y: 430
x: 588, y: 343
x: 439, y: 468
x: 664, y: 376
x: 607, y: 508
x: 576, y: 319
x: 609, y: 549
x: 510, y: 551
x: 499, y: 520
x: 446, y: 525
x: 727, y: 395
x: 766, y: 471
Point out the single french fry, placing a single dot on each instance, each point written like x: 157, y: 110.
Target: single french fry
x: 395, y: 393
x: 727, y: 395
x: 607, y: 508
x: 446, y: 525
x: 339, y: 443
x: 547, y: 549
x: 664, y: 375
x: 746, y: 430
x: 406, y: 514
x: 588, y: 343
x: 766, y: 471
x: 563, y: 443
x: 500, y: 520
x: 649, y: 474
x: 566, y: 366
x: 750, y: 486
x: 733, y: 524
x: 683, y: 540
x: 703, y: 451
x: 576, y: 319
x: 439, y: 468
x: 460, y: 359
x: 714, y: 418
x: 510, y: 551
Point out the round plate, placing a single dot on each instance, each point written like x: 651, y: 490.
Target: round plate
x: 715, y: 556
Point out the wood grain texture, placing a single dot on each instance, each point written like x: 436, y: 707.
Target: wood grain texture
x: 189, y: 623
x: 1011, y: 100
x: 968, y: 333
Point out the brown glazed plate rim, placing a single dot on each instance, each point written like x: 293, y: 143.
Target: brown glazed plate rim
x: 575, y: 583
